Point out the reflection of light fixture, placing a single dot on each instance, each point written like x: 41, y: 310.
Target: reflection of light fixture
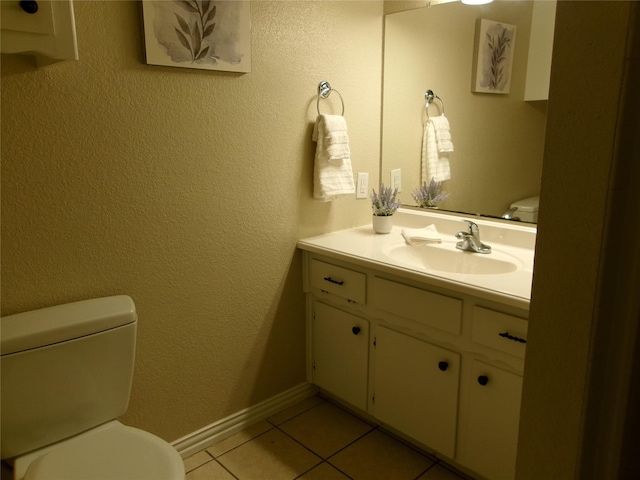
x: 476, y: 2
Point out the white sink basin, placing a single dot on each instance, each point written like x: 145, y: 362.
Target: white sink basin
x: 445, y: 257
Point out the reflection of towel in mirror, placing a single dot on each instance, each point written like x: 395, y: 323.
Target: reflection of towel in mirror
x: 331, y: 177
x: 434, y: 165
x: 443, y: 134
x: 421, y: 236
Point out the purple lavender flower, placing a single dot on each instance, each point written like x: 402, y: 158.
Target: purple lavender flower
x: 429, y: 196
x: 384, y: 203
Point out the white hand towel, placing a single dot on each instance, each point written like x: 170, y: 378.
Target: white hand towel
x: 336, y: 138
x: 329, y: 179
x: 421, y: 236
x: 434, y: 165
x: 443, y: 134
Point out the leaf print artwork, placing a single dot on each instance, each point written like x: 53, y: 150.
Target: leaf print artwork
x: 498, y: 44
x: 205, y: 34
x: 202, y: 14
x: 494, y: 57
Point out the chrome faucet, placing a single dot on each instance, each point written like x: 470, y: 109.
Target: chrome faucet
x: 509, y: 214
x: 470, y: 240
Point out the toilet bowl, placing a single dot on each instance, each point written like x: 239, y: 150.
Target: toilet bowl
x: 110, y: 451
x: 66, y: 377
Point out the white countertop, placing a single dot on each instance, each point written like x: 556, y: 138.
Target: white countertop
x: 362, y: 246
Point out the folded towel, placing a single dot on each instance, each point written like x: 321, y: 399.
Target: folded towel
x: 443, y: 134
x: 434, y: 165
x: 331, y: 178
x: 338, y: 153
x: 421, y: 236
x: 337, y: 145
x: 336, y: 139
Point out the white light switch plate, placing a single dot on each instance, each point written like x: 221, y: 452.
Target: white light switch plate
x: 396, y: 179
x: 362, y: 188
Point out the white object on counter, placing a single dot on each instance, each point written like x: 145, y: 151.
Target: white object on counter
x: 420, y: 236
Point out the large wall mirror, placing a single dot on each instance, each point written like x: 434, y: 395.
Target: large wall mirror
x: 498, y: 138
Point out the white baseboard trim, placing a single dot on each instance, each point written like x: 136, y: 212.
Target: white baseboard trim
x: 207, y: 436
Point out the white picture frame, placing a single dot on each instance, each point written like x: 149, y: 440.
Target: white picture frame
x: 495, y: 44
x: 201, y: 34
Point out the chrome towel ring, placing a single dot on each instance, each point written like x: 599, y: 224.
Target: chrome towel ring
x: 324, y: 90
x: 429, y: 97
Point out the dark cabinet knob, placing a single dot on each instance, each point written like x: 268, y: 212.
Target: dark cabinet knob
x: 443, y: 365
x: 29, y: 6
x: 483, y: 380
x: 355, y: 330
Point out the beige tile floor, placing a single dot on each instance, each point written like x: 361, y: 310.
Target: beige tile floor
x: 314, y: 440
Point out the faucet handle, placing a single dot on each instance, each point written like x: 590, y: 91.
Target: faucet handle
x: 471, y: 240
x: 473, y: 228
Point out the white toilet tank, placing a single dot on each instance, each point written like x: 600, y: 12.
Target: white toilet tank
x: 65, y: 369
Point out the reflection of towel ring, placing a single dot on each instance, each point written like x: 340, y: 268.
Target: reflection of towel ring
x: 324, y: 90
x: 429, y: 96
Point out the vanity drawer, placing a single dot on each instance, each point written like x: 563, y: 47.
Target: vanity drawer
x: 428, y: 308
x: 339, y: 281
x: 500, y: 331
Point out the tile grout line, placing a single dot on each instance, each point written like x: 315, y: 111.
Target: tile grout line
x: 322, y: 458
x: 200, y: 465
x: 297, y: 414
x: 273, y: 426
x: 211, y: 459
x: 317, y: 465
x: 427, y: 469
x: 373, y: 427
x: 226, y: 469
x: 432, y: 458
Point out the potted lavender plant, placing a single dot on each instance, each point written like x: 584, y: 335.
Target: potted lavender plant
x: 384, y: 205
x: 429, y: 196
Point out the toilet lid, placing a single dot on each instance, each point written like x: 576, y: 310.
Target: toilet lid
x: 116, y: 452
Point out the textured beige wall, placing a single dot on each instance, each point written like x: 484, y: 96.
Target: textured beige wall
x: 187, y: 190
x: 570, y: 295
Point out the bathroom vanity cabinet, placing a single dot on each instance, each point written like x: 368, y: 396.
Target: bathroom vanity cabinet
x: 341, y: 353
x: 416, y: 388
x: 441, y: 367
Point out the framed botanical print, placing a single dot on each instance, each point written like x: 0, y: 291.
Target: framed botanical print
x: 203, y: 34
x: 495, y: 43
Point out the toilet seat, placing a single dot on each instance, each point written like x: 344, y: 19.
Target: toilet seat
x: 111, y: 451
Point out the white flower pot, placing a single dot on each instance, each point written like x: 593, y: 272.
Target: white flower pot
x: 382, y: 224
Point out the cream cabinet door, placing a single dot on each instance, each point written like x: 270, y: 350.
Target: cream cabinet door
x: 416, y: 389
x: 340, y: 343
x: 490, y: 443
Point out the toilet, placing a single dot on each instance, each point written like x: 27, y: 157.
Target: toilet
x: 526, y: 209
x: 66, y: 378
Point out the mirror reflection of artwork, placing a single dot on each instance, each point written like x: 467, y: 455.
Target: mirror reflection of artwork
x: 204, y: 34
x: 499, y: 139
x: 496, y: 42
